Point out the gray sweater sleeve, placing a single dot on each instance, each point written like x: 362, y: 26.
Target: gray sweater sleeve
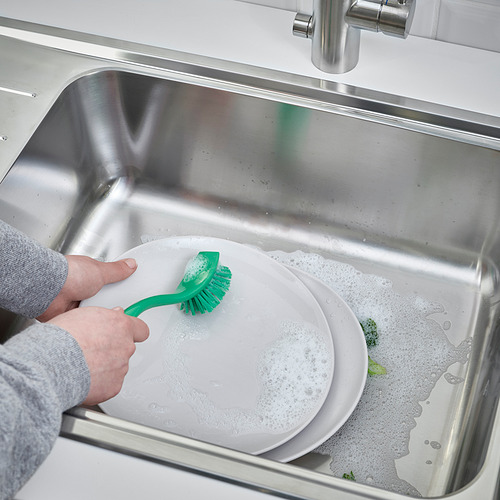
x: 42, y: 369
x: 42, y: 373
x: 31, y: 275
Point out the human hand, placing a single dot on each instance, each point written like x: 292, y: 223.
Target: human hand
x: 86, y: 276
x: 107, y: 338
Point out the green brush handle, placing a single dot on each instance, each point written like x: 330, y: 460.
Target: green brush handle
x: 157, y: 301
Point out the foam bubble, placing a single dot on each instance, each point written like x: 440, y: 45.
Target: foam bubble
x: 194, y: 267
x: 295, y: 373
x: 452, y: 379
x: 378, y: 431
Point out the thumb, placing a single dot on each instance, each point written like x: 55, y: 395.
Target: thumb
x: 112, y: 272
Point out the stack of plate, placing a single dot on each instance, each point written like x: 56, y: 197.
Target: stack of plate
x: 274, y: 370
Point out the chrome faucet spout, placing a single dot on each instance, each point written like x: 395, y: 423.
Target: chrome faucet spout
x: 335, y: 26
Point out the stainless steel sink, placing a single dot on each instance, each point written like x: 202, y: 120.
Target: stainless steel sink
x: 135, y: 146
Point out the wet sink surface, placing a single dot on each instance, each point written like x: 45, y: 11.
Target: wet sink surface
x: 124, y: 158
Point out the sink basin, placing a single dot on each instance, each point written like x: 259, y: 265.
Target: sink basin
x: 408, y: 194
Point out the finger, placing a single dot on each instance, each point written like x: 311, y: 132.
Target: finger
x: 141, y: 331
x: 112, y: 272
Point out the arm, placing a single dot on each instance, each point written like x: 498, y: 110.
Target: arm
x: 38, y: 282
x: 31, y: 276
x: 45, y: 370
x: 79, y: 355
x: 37, y: 384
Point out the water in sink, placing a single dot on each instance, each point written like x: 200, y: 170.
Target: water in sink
x: 415, y: 349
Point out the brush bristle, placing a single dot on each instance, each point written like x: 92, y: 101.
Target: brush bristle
x: 212, y: 295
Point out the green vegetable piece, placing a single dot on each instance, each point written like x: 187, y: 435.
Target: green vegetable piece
x: 374, y: 368
x: 350, y: 476
x: 370, y: 330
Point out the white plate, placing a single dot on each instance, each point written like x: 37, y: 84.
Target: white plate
x: 351, y: 368
x: 248, y: 376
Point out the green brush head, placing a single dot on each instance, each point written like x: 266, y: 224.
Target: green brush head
x: 211, y: 296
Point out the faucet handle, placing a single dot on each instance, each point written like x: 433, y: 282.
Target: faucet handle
x: 392, y: 17
x: 302, y: 25
x: 396, y: 17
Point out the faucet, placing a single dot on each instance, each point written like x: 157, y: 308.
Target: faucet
x: 335, y: 27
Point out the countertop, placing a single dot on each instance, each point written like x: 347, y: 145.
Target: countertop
x: 418, y: 68
x: 78, y: 471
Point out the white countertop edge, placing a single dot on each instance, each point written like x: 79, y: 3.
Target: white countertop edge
x: 79, y: 471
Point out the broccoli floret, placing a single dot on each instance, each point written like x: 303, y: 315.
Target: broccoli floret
x: 370, y: 330
x: 350, y: 476
x: 374, y: 368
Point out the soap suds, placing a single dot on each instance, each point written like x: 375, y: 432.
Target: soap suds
x: 416, y: 353
x: 294, y: 373
x: 194, y: 267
